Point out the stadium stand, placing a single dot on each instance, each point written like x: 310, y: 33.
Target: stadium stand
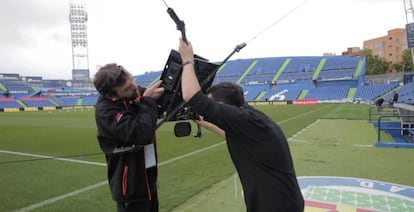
x: 285, y: 91
x: 299, y: 68
x: 336, y: 74
x: 37, y: 102
x: 17, y: 89
x: 405, y: 92
x: 319, y: 78
x: 232, y: 70
x: 367, y: 91
x: 340, y: 63
x: 89, y: 100
x: 147, y: 78
x: 9, y: 103
x: 264, y: 70
x: 328, y: 93
x: 67, y: 100
x: 252, y: 92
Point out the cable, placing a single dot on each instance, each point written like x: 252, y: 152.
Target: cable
x: 165, y: 3
x: 179, y: 22
x: 277, y: 21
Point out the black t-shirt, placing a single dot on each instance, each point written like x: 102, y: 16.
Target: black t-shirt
x: 395, y: 97
x: 260, y: 153
x: 379, y: 101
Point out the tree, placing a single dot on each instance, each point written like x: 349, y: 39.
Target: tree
x: 375, y: 64
x: 406, y: 63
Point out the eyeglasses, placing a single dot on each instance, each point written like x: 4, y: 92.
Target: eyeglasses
x: 119, y: 79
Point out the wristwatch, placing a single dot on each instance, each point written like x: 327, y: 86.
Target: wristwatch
x: 185, y: 62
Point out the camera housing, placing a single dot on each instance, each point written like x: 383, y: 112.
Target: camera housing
x: 171, y: 81
x: 182, y: 128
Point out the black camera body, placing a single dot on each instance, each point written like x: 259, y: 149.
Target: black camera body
x: 169, y: 104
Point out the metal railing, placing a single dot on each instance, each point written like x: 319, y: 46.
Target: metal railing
x: 393, y: 128
x: 384, y: 111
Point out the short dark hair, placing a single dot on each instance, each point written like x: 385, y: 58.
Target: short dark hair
x: 110, y: 76
x: 228, y: 93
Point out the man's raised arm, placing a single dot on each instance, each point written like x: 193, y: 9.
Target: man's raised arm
x: 189, y: 82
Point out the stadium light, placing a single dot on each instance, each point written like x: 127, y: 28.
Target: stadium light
x: 78, y: 18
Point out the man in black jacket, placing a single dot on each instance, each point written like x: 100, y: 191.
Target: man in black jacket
x: 256, y: 144
x: 379, y: 103
x: 126, y: 118
x: 394, y: 98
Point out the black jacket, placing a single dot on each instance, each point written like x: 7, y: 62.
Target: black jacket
x: 123, y: 124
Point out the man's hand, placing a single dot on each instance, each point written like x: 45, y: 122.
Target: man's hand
x: 186, y: 50
x: 210, y: 126
x: 155, y: 91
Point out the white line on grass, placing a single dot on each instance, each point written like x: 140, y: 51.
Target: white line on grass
x: 51, y: 157
x: 299, y: 141
x: 73, y: 193
x: 292, y: 138
x: 300, y: 115
x: 190, y: 153
x: 363, y: 145
x: 55, y: 199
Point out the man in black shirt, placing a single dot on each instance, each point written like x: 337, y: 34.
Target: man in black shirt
x: 126, y: 118
x: 256, y: 144
x: 394, y: 98
x: 378, y: 104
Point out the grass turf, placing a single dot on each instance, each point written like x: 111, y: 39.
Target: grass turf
x: 327, y: 148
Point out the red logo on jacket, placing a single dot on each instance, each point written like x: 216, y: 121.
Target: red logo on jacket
x: 118, y: 116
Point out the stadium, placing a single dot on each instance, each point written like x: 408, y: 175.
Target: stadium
x: 349, y: 154
x: 50, y: 159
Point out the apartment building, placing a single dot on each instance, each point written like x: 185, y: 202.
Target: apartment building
x: 390, y: 47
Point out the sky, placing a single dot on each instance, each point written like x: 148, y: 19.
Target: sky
x: 139, y: 34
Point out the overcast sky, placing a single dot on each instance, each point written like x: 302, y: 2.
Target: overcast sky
x: 139, y: 34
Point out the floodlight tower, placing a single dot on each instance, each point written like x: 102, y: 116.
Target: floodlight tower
x: 409, y: 16
x: 409, y: 12
x: 78, y: 27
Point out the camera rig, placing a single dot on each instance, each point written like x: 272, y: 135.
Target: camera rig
x: 170, y: 104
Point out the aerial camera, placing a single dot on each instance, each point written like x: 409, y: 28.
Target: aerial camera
x: 171, y: 106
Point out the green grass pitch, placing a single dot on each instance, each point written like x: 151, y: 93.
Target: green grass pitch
x: 195, y: 174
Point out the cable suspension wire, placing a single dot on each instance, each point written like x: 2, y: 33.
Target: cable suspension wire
x: 165, y: 3
x: 277, y: 21
x: 271, y: 25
